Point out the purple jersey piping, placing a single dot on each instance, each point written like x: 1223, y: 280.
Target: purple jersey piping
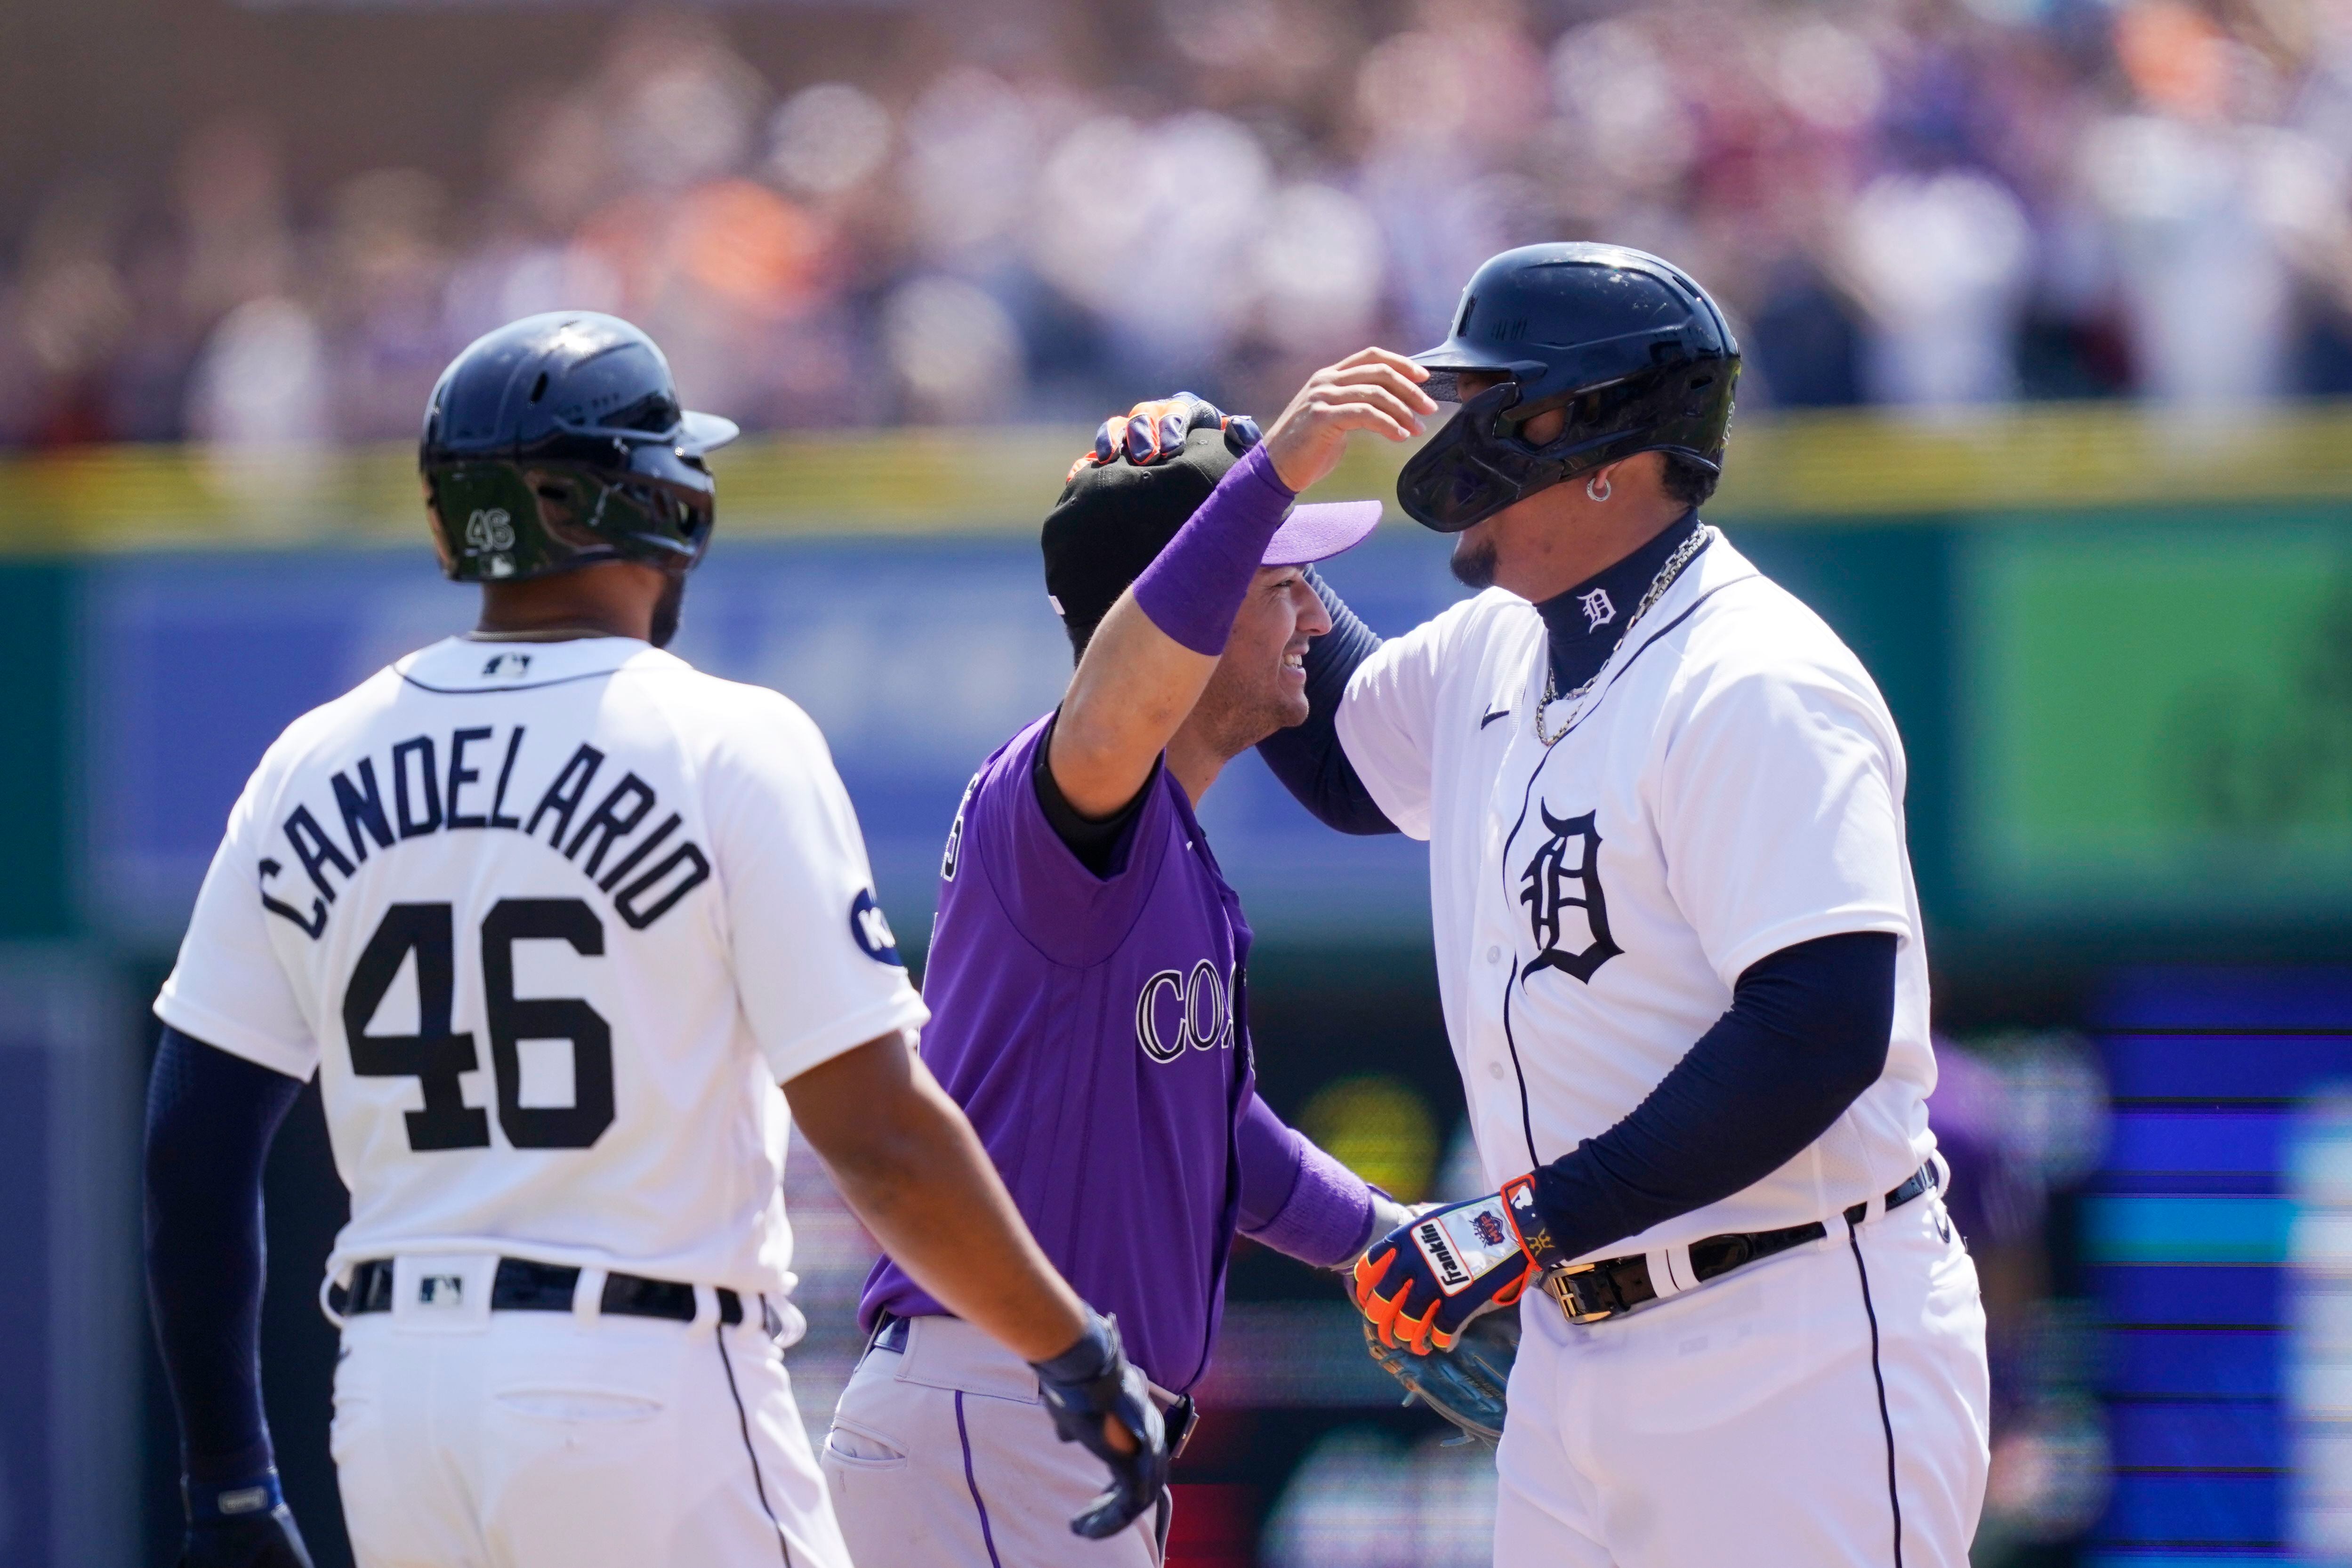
x: 987, y: 1536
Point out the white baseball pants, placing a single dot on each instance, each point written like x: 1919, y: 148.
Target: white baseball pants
x: 469, y: 1438
x: 1823, y: 1408
x: 943, y: 1455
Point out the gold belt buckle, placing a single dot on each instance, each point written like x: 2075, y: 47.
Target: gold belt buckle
x: 1557, y: 1285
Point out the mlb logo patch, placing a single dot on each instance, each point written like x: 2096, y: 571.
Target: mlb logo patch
x: 441, y: 1290
x: 507, y: 667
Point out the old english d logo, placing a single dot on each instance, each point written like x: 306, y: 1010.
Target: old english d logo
x: 1565, y: 874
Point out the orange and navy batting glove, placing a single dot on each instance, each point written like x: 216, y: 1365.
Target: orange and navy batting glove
x: 1156, y: 429
x: 1423, y: 1283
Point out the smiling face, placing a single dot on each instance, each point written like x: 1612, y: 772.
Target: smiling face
x: 1260, y: 682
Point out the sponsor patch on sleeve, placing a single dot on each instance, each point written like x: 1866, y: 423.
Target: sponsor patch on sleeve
x: 871, y: 930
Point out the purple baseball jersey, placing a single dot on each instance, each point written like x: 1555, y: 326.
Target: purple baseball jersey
x: 1094, y: 1030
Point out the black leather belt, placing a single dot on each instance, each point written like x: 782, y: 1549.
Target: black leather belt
x: 890, y: 1334
x: 522, y: 1286
x: 1590, y: 1292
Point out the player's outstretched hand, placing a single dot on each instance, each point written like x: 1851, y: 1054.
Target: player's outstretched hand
x: 1097, y: 1397
x: 268, y: 1540
x: 1371, y: 389
x: 1157, y: 428
x: 1423, y: 1282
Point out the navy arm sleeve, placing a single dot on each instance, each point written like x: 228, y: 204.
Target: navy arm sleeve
x: 1808, y: 1031
x: 210, y: 1120
x: 1308, y: 757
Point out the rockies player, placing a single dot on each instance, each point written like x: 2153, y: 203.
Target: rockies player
x: 1680, y: 957
x: 552, y: 914
x: 1087, y: 975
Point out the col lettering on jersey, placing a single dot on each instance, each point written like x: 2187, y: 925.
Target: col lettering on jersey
x: 1731, y: 786
x: 551, y: 924
x: 1177, y: 1011
x: 1096, y: 1031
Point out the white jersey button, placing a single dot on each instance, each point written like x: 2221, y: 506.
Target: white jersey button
x: 1493, y: 954
x: 1494, y: 1069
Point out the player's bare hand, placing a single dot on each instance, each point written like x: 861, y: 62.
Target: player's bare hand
x: 1371, y: 389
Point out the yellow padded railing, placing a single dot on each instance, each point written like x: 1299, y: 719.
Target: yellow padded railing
x: 1820, y: 467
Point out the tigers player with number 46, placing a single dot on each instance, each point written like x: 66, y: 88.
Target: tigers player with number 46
x: 552, y: 914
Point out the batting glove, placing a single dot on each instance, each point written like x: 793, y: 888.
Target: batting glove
x: 1156, y: 429
x: 246, y: 1525
x: 1091, y: 1379
x: 1423, y: 1283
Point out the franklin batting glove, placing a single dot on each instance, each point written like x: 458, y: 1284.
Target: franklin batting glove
x: 1421, y: 1283
x: 1156, y: 429
x: 1089, y: 1381
x: 246, y: 1525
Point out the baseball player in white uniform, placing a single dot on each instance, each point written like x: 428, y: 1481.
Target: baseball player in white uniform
x: 1681, y: 963
x: 552, y: 914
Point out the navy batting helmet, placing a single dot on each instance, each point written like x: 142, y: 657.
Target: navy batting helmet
x: 557, y: 441
x: 1635, y: 350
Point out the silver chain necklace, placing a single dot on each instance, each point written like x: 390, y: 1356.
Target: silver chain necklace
x: 1657, y: 591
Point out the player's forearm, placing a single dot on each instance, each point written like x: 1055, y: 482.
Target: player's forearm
x: 1806, y: 1035
x: 1136, y: 685
x: 912, y: 1168
x: 1153, y: 653
x: 210, y: 1120
x: 1299, y: 1201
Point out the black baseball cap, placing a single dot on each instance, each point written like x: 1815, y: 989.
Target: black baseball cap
x: 1114, y: 518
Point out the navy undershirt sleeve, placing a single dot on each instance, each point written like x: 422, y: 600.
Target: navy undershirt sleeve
x: 210, y: 1120
x: 1308, y: 757
x: 1807, y: 1033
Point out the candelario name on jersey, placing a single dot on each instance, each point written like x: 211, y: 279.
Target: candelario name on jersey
x: 460, y: 781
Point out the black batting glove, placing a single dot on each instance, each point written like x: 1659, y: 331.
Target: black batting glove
x: 246, y: 1525
x: 1089, y: 1381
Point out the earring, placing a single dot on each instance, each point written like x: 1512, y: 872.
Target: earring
x: 1603, y: 489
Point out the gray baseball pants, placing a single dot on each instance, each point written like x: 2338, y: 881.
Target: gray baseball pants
x: 942, y: 1456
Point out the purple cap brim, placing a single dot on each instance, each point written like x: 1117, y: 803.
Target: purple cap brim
x: 1318, y: 532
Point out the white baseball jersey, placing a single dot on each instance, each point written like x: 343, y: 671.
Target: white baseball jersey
x: 1731, y: 785
x: 553, y: 919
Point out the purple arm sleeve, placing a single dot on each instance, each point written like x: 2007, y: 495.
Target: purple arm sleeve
x: 1194, y: 589
x: 1298, y: 1200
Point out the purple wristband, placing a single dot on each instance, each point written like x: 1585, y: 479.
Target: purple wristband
x: 1325, y: 1219
x: 1196, y: 586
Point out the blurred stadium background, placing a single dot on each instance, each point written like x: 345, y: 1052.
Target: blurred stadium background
x: 2044, y: 300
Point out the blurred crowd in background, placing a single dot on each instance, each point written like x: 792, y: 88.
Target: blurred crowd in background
x: 1931, y: 203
